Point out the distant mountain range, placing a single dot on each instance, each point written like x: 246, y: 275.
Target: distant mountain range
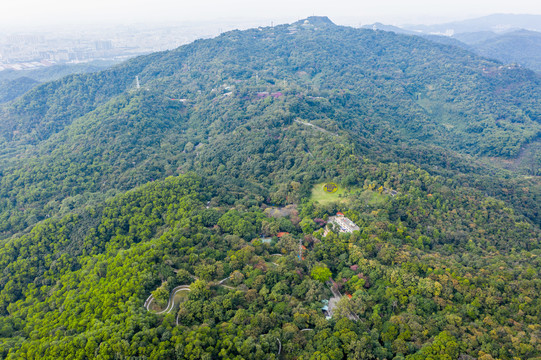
x: 495, y: 23
x: 520, y: 46
x: 506, y: 38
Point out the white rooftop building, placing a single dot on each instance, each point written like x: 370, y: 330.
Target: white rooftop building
x: 345, y: 225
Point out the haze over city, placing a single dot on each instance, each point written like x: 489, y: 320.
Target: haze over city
x: 30, y: 13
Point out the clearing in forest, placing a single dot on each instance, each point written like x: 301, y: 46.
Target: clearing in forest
x: 322, y: 196
x: 343, y: 195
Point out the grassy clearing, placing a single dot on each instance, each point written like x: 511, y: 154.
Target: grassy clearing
x: 342, y: 195
x: 323, y: 197
x: 372, y: 197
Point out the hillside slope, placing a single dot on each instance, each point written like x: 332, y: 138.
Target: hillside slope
x: 112, y: 195
x: 15, y: 83
x: 87, y: 134
x: 522, y: 47
x: 390, y: 69
x: 75, y: 287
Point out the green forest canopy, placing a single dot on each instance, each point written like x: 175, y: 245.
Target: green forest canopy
x: 100, y: 204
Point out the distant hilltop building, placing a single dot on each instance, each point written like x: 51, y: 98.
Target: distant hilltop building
x: 344, y: 224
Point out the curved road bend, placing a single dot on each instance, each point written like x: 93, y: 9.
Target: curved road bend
x: 171, y: 303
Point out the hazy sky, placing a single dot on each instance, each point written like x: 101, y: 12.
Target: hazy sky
x: 22, y: 13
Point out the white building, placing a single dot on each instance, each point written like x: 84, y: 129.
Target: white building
x: 344, y: 224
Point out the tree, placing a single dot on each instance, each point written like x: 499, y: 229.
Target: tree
x: 199, y: 290
x: 289, y: 243
x: 269, y: 227
x: 307, y: 225
x: 184, y: 277
x: 189, y: 147
x: 444, y: 346
x: 321, y: 273
x: 161, y: 296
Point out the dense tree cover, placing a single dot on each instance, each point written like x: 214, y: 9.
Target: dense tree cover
x: 520, y: 47
x: 14, y: 83
x: 412, y: 293
x: 48, y: 108
x: 321, y: 273
x: 74, y: 139
x: 94, y: 216
x: 11, y: 89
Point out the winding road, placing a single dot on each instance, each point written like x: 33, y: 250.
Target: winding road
x: 171, y: 303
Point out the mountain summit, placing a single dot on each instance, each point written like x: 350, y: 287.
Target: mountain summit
x: 316, y: 20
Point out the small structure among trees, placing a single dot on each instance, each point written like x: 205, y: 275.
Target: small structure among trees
x: 343, y: 224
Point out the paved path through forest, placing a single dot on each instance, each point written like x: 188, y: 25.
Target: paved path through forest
x: 171, y: 303
x: 315, y: 127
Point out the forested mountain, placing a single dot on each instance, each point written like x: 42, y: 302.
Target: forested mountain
x: 441, y: 39
x: 494, y: 22
x: 15, y: 83
x: 522, y: 47
x: 110, y: 192
x: 511, y: 39
x: 11, y: 89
